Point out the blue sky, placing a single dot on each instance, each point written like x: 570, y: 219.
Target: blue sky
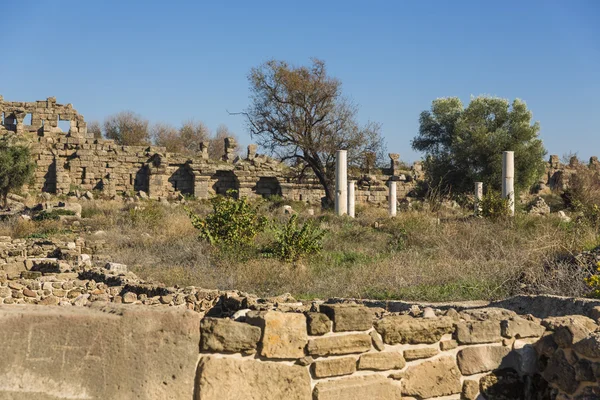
x: 172, y: 61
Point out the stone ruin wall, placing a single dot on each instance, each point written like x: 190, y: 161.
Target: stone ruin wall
x: 73, y: 330
x: 75, y: 160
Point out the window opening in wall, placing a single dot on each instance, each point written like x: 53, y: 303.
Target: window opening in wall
x: 64, y: 126
x: 27, y: 120
x: 2, y: 118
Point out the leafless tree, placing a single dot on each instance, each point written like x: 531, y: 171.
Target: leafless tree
x: 127, y: 128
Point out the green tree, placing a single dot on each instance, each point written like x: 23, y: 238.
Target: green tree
x: 465, y: 145
x: 300, y: 115
x: 16, y: 169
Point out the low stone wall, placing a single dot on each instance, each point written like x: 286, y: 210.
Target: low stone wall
x: 72, y: 330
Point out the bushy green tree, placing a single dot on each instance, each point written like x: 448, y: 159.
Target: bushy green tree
x: 16, y: 169
x: 465, y: 145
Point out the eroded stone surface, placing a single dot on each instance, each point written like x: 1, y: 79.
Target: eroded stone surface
x: 474, y: 360
x: 348, y: 317
x: 405, y: 329
x: 487, y: 331
x: 106, y: 352
x: 334, y: 367
x: 358, y: 388
x: 318, y: 323
x: 416, y: 354
x: 283, y: 334
x: 334, y: 345
x: 232, y: 379
x: 381, y: 361
x: 521, y: 328
x: 439, y: 377
x: 225, y: 335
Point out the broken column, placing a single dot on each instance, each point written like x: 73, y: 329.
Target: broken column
x: 394, y: 163
x: 393, y: 200
x: 508, y: 179
x: 204, y: 150
x: 351, y: 199
x: 478, y: 197
x: 252, y: 151
x: 341, y: 182
x: 230, y: 147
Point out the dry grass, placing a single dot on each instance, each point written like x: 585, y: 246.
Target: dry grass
x: 418, y: 255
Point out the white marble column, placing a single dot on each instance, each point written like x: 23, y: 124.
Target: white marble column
x: 508, y: 179
x: 393, y: 200
x: 341, y: 182
x: 478, y: 197
x: 351, y: 199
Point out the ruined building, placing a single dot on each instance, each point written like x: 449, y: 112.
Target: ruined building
x: 69, y: 159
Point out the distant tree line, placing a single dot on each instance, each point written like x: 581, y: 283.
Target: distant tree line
x: 130, y: 129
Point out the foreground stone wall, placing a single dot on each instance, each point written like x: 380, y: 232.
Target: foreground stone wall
x: 67, y: 161
x: 70, y: 329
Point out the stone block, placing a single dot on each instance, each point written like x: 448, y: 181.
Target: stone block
x: 283, y: 334
x: 561, y: 373
x: 470, y: 390
x: 439, y: 377
x: 336, y: 345
x: 406, y: 329
x: 521, y: 328
x: 381, y: 361
x: 448, y: 344
x: 478, y: 332
x: 372, y: 387
x: 417, y: 354
x: 234, y: 379
x: 225, y: 335
x: 589, y: 346
x: 474, y: 360
x: 102, y: 352
x: 318, y: 323
x: 334, y: 367
x: 348, y: 317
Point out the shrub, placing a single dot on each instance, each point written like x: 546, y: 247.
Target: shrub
x: 593, y: 283
x: 16, y: 169
x: 293, y: 241
x: 493, y: 206
x: 52, y: 215
x: 232, y: 221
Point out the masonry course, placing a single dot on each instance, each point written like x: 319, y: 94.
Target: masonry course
x: 73, y: 338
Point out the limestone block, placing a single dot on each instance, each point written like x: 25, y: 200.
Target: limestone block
x: 348, y: 317
x: 283, y: 334
x: 381, y: 361
x: 503, y: 384
x: 474, y: 360
x: 406, y: 329
x: 448, y: 345
x: 358, y: 388
x: 334, y: 367
x: 478, y: 332
x: 377, y: 342
x: 318, y: 323
x: 521, y: 328
x: 225, y: 335
x: 102, y: 352
x: 416, y: 354
x: 439, y: 377
x: 589, y: 346
x: 233, y: 379
x: 335, y: 345
x: 470, y: 390
x: 561, y: 373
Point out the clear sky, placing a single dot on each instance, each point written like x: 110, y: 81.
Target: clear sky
x: 175, y: 60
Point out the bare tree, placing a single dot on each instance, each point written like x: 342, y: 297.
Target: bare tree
x: 298, y: 113
x: 127, y: 128
x: 185, y: 140
x: 95, y: 128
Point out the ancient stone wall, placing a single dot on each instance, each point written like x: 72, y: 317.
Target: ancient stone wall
x: 64, y: 336
x: 558, y: 174
x: 72, y: 160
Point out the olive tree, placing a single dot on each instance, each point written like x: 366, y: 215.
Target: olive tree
x: 465, y: 145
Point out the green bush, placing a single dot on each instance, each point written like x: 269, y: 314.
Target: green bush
x: 493, y: 206
x: 232, y: 221
x: 52, y: 215
x: 16, y: 169
x: 294, y: 241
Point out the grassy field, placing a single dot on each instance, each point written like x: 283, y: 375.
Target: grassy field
x: 419, y: 255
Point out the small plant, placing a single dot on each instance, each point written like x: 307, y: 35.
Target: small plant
x: 593, y: 283
x: 52, y: 215
x: 232, y: 221
x: 293, y: 241
x: 16, y: 169
x: 493, y: 206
